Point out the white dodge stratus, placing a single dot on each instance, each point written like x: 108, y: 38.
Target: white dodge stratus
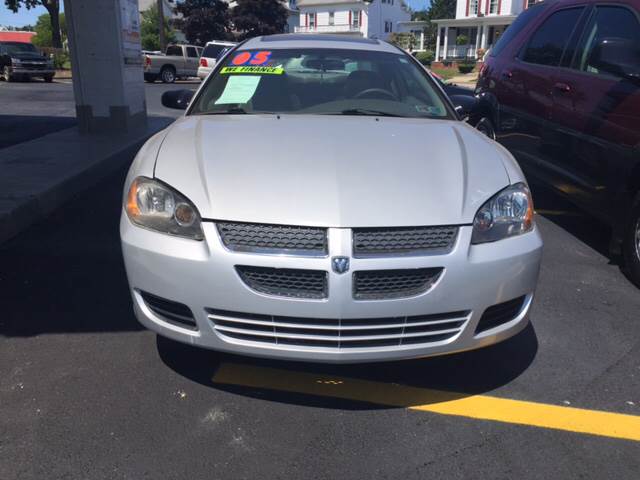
x: 321, y: 200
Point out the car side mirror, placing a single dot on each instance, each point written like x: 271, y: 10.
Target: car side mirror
x: 617, y: 56
x: 177, y: 99
x: 464, y: 105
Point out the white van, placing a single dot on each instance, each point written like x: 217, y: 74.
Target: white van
x: 212, y: 51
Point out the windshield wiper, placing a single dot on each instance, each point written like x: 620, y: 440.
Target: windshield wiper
x: 228, y: 111
x: 366, y: 111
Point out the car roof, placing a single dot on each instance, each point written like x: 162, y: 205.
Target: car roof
x: 220, y: 42
x: 292, y: 40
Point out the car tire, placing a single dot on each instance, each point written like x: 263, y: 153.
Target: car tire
x: 7, y: 75
x: 168, y: 75
x: 631, y: 244
x: 485, y: 126
x: 48, y: 78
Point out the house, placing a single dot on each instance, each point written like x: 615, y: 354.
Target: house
x: 369, y: 19
x: 478, y: 24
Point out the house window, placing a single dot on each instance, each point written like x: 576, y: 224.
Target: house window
x: 493, y: 6
x: 332, y: 18
x: 355, y: 18
x: 530, y: 3
x: 388, y: 26
x: 312, y: 20
x: 473, y: 7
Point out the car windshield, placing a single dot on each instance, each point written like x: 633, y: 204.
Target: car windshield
x: 20, y: 48
x: 320, y: 81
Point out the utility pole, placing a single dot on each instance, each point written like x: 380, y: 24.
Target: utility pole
x: 163, y: 39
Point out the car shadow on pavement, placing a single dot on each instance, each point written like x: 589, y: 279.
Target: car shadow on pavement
x: 586, y: 228
x: 401, y: 384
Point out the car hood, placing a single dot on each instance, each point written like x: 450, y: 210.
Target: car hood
x: 332, y: 171
x: 29, y: 56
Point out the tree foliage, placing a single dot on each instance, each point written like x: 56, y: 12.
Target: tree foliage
x: 204, y: 20
x: 252, y: 18
x: 438, y: 9
x: 52, y: 7
x: 44, y: 35
x: 405, y: 40
x: 150, y: 29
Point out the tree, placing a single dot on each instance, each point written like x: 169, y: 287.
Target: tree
x: 52, y: 7
x: 204, y: 20
x: 252, y: 18
x: 150, y: 29
x: 438, y: 9
x: 406, y: 40
x: 44, y: 34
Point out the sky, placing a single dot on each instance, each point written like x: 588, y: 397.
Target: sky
x: 29, y: 17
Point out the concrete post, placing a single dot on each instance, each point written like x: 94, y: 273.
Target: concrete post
x: 106, y: 62
x: 437, y: 59
x: 446, y: 42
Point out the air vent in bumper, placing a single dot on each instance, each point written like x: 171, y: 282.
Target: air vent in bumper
x: 285, y: 282
x: 170, y: 311
x: 281, y: 239
x: 403, y: 241
x: 338, y: 333
x: 500, y: 313
x: 389, y: 284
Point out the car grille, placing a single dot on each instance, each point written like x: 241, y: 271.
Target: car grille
x: 33, y: 66
x: 170, y: 311
x: 388, y: 284
x: 285, y: 282
x: 403, y: 241
x: 264, y: 238
x: 317, y: 333
x: 500, y: 313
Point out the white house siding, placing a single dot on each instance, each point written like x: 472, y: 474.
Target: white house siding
x: 380, y: 12
x: 505, y: 7
x: 340, y: 20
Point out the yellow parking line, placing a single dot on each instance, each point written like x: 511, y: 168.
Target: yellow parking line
x: 594, y: 422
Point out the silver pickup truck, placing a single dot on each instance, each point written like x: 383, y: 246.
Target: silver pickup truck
x: 179, y: 61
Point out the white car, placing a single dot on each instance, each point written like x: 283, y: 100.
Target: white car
x: 210, y: 54
x: 321, y: 200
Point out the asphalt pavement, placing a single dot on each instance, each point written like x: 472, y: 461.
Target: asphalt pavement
x: 87, y: 393
x: 33, y: 109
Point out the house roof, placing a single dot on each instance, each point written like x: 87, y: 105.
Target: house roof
x: 14, y: 36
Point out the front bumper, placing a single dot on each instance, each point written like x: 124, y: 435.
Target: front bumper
x: 202, y: 276
x: 17, y: 70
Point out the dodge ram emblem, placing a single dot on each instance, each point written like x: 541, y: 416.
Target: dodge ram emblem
x: 340, y: 264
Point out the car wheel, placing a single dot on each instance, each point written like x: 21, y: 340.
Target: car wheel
x: 485, y: 126
x: 631, y: 245
x: 168, y: 75
x: 7, y: 74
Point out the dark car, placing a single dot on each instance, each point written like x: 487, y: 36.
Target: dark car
x: 20, y: 60
x: 469, y: 106
x: 563, y: 88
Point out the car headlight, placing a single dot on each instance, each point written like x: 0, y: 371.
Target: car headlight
x: 506, y: 214
x: 156, y: 206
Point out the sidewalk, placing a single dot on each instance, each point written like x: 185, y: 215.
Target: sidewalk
x: 41, y: 175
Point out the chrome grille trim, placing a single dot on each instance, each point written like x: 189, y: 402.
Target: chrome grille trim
x: 273, y: 239
x: 337, y: 334
x: 403, y: 241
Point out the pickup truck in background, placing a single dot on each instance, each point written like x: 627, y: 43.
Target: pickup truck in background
x: 179, y: 61
x: 23, y: 61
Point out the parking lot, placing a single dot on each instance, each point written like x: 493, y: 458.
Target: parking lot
x: 86, y: 392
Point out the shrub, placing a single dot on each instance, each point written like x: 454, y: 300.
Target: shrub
x: 466, y: 67
x: 462, y: 40
x: 425, y: 57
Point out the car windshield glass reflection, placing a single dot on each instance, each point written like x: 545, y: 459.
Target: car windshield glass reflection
x: 317, y: 81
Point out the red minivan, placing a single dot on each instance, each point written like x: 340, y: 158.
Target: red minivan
x: 562, y: 86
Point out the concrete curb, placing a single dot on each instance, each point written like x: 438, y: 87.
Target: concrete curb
x: 42, y: 175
